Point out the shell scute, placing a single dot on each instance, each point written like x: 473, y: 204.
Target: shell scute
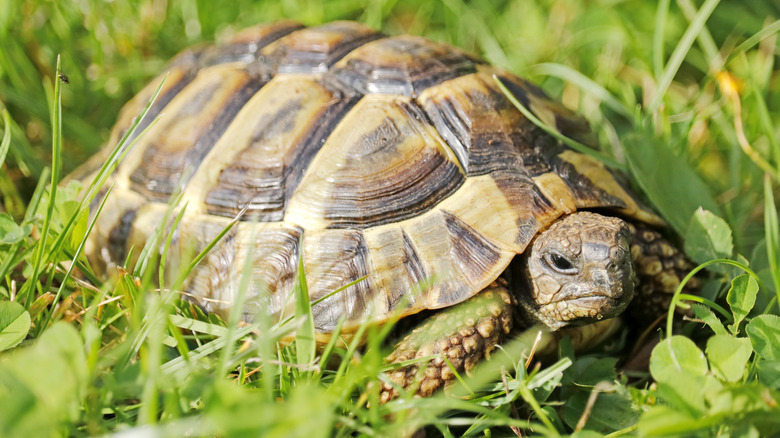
x: 480, y: 124
x: 245, y: 46
x: 383, y: 163
x: 273, y: 264
x: 333, y: 259
x: 258, y: 162
x: 199, y: 115
x: 403, y: 65
x: 315, y: 49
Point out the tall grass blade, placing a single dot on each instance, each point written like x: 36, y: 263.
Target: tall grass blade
x: 772, y: 230
x: 748, y: 44
x: 56, y: 155
x: 658, y: 37
x: 12, y: 255
x: 78, y: 253
x: 304, y: 337
x: 182, y: 276
x: 149, y: 251
x: 237, y: 307
x: 166, y: 248
x: 577, y: 146
x: 585, y: 83
x: 679, y: 54
x: 5, y: 144
x: 704, y: 37
x: 122, y: 148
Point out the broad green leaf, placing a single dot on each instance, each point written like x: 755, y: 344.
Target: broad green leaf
x: 708, y: 237
x: 14, y: 324
x: 674, y: 356
x: 741, y: 298
x: 769, y: 373
x: 588, y: 371
x: 740, y: 405
x: 42, y: 387
x: 10, y: 232
x: 660, y: 173
x: 663, y: 420
x: 764, y: 333
x: 708, y: 316
x: 728, y: 356
x: 684, y: 392
x: 611, y: 411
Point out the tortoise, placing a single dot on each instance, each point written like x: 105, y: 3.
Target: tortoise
x: 394, y: 166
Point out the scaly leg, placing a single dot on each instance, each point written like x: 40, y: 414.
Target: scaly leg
x: 465, y: 334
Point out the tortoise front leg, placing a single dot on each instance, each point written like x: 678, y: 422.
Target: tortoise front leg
x: 465, y: 333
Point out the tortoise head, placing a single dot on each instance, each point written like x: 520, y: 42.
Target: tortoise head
x: 580, y: 270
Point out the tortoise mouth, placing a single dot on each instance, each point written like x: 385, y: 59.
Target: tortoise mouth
x: 590, y: 298
x: 583, y: 309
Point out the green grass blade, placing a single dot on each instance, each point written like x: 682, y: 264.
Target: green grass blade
x: 79, y: 250
x: 201, y: 255
x: 772, y: 230
x: 166, y: 247
x: 13, y: 255
x: 122, y: 148
x: 679, y: 54
x: 304, y: 336
x: 5, y: 144
x: 237, y: 307
x: 577, y: 146
x: 175, y: 367
x: 711, y: 304
x: 748, y: 44
x: 658, y: 37
x: 56, y: 144
x: 342, y: 288
x: 335, y: 336
x: 704, y: 37
x: 585, y: 83
x: 197, y: 326
x: 148, y: 253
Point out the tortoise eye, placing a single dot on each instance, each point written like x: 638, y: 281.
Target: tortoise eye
x: 560, y: 264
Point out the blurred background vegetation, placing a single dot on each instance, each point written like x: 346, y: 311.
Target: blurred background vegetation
x: 684, y: 94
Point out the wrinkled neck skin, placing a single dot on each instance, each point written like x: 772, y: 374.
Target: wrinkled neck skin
x: 576, y: 272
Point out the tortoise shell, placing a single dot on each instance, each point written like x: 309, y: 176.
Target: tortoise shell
x: 395, y: 160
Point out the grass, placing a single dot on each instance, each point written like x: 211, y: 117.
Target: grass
x: 682, y: 94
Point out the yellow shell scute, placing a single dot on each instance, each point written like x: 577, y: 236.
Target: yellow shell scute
x: 598, y: 174
x: 556, y: 191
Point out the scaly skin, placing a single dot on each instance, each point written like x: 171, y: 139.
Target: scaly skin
x: 603, y: 268
x: 465, y: 334
x: 659, y: 268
